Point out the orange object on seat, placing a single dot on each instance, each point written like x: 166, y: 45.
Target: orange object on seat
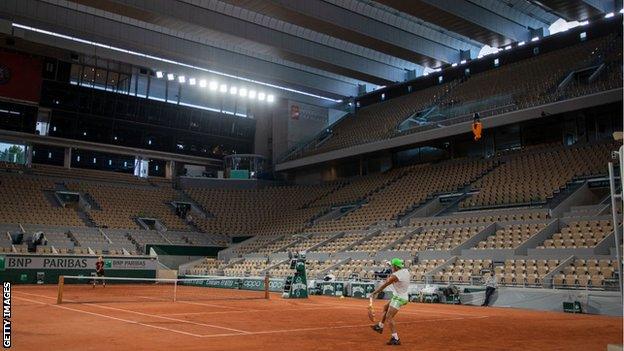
x: 477, y: 127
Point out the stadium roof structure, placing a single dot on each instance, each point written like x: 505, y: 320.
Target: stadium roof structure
x: 319, y: 51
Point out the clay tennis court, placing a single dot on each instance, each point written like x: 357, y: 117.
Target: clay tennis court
x: 234, y: 320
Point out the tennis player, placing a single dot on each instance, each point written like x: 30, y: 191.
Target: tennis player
x: 399, y: 281
x: 99, y: 271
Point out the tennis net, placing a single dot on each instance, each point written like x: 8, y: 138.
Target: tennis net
x: 89, y: 289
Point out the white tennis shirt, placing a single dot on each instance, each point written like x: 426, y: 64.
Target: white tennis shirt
x: 401, y: 287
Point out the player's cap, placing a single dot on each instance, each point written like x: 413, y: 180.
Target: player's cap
x: 397, y: 262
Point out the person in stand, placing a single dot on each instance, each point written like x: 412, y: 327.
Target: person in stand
x: 400, y: 281
x: 477, y: 127
x: 99, y: 271
x: 491, y: 284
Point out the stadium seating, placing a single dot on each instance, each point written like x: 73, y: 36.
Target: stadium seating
x: 363, y: 269
x: 289, y: 218
x: 121, y: 205
x: 382, y: 240
x: 252, y: 267
x: 29, y: 199
x: 525, y: 272
x: 340, y: 243
x: 311, y: 241
x: 268, y: 211
x: 580, y: 234
x: 534, y: 176
x: 585, y: 273
x: 416, y: 185
x: 510, y: 236
x: 418, y: 270
x: 514, y: 86
x: 209, y: 266
x: 434, y: 238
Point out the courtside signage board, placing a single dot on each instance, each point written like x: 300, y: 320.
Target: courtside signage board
x: 362, y: 290
x: 19, y: 262
x: 275, y: 285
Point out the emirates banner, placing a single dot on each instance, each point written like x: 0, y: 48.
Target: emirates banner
x: 20, y: 76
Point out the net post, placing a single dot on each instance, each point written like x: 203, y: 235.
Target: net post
x: 266, y: 285
x: 61, y: 283
x: 175, y: 289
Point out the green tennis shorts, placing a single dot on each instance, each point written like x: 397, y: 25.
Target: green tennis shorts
x: 397, y: 302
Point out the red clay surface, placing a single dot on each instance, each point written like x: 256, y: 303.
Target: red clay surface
x: 212, y: 319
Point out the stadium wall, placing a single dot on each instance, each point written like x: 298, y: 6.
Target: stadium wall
x: 595, y: 302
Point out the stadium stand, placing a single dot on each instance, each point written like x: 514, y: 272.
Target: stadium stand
x: 416, y: 185
x: 530, y: 82
x: 269, y: 211
x: 579, y: 234
x: 510, y: 236
x: 29, y: 199
x: 120, y: 205
x: 378, y: 242
x: 420, y: 269
x: 585, y: 273
x: 537, y: 175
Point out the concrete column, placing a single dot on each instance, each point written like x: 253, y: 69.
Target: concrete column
x: 67, y: 158
x: 169, y: 168
x: 29, y: 155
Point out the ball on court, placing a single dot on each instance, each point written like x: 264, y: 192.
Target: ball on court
x: 342, y: 296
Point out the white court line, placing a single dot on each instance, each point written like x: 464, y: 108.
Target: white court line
x: 246, y: 311
x: 248, y: 333
x: 411, y: 312
x: 149, y: 315
x: 340, y: 327
x: 208, y: 304
x: 111, y: 317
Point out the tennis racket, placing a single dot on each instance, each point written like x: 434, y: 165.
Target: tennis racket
x: 371, y: 311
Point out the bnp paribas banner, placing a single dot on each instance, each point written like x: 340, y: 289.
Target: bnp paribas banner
x: 57, y: 262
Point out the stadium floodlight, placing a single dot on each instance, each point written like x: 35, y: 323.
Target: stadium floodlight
x: 170, y: 76
x: 622, y: 10
x: 270, y: 98
x: 182, y: 79
x: 261, y: 96
x: 535, y: 39
x: 223, y: 88
x: 192, y: 81
x: 609, y: 15
x: 521, y: 43
x: 242, y: 92
x: 252, y: 94
x: 462, y: 62
x: 202, y: 83
x: 454, y: 64
x: 213, y: 85
x: 584, y: 23
x: 508, y: 47
x: 159, y: 74
x: 233, y: 90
